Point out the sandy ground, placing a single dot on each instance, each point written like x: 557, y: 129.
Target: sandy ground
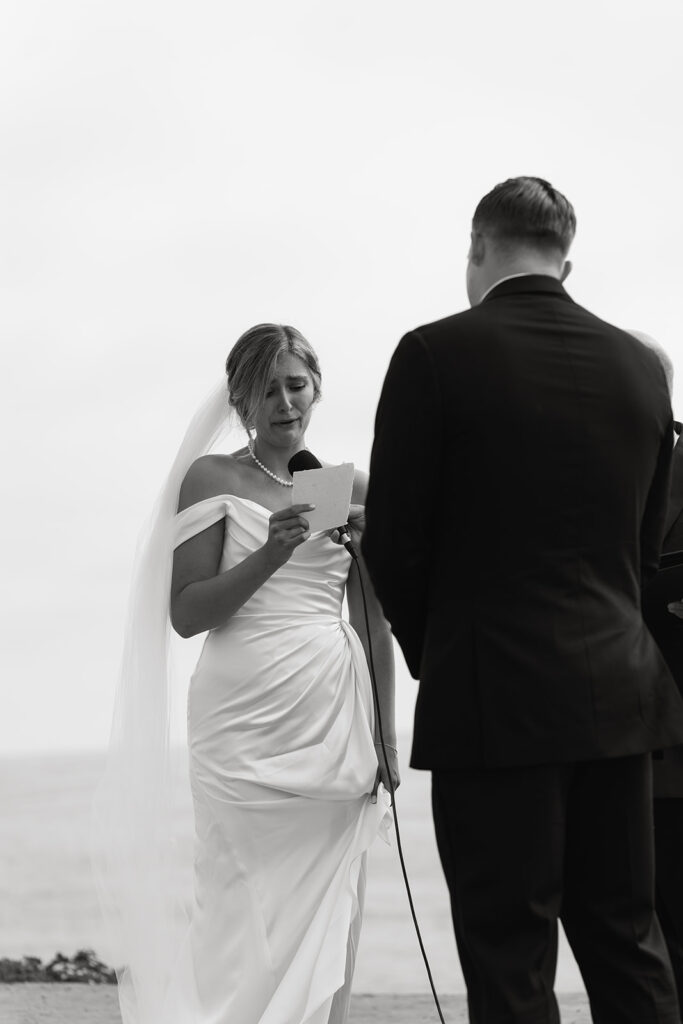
x: 97, y: 1004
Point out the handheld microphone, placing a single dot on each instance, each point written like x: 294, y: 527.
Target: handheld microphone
x: 304, y: 460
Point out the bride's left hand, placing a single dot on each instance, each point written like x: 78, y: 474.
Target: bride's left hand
x: 356, y: 523
x: 382, y: 773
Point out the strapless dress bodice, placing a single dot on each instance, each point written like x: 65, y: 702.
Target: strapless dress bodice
x: 312, y: 582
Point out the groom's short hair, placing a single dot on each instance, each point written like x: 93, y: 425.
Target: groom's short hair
x: 527, y: 211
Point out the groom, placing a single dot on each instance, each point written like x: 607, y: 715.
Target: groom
x: 518, y: 490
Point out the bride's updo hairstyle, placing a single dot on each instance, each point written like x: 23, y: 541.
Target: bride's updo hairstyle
x: 251, y: 365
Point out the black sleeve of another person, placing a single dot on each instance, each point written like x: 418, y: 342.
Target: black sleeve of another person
x: 401, y: 508
x: 654, y: 518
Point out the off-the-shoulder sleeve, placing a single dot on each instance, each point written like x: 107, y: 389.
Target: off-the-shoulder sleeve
x: 198, y: 517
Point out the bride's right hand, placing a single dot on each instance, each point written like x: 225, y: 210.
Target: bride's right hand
x: 286, y: 530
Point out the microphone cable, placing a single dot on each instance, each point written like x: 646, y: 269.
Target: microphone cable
x: 392, y: 790
x: 305, y: 460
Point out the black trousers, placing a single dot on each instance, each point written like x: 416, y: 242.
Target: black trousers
x: 524, y: 846
x: 668, y: 814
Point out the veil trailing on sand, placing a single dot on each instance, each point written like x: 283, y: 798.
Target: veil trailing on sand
x: 133, y: 829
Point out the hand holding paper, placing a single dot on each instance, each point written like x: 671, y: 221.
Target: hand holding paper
x: 329, y: 490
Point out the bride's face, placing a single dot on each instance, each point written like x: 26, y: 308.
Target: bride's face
x: 285, y: 413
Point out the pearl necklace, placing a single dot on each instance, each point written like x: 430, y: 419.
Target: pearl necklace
x: 268, y: 472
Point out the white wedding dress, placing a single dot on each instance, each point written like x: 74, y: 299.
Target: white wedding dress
x: 282, y: 761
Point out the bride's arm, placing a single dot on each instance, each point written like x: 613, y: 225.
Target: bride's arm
x: 203, y: 598
x: 382, y: 644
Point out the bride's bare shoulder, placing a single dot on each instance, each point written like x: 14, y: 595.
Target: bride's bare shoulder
x: 208, y: 476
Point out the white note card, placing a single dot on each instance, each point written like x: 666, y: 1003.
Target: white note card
x: 329, y: 490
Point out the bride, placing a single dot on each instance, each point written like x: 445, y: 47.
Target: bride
x: 283, y: 742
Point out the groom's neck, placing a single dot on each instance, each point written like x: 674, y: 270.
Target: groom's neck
x: 516, y: 265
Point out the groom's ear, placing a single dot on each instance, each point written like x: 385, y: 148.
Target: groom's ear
x: 477, y: 248
x: 566, y: 270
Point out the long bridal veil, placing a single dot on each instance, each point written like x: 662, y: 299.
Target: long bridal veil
x: 133, y: 821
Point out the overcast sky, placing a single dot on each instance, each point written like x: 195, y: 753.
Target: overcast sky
x: 172, y: 173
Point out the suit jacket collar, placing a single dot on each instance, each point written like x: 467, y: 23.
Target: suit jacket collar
x: 529, y: 284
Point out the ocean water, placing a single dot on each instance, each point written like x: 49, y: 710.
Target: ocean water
x: 48, y: 901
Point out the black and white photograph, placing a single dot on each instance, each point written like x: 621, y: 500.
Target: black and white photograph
x: 342, y: 659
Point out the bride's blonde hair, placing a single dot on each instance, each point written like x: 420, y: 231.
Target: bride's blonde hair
x: 251, y: 364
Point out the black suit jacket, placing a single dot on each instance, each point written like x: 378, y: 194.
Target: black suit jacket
x: 518, y: 488
x: 667, y: 629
